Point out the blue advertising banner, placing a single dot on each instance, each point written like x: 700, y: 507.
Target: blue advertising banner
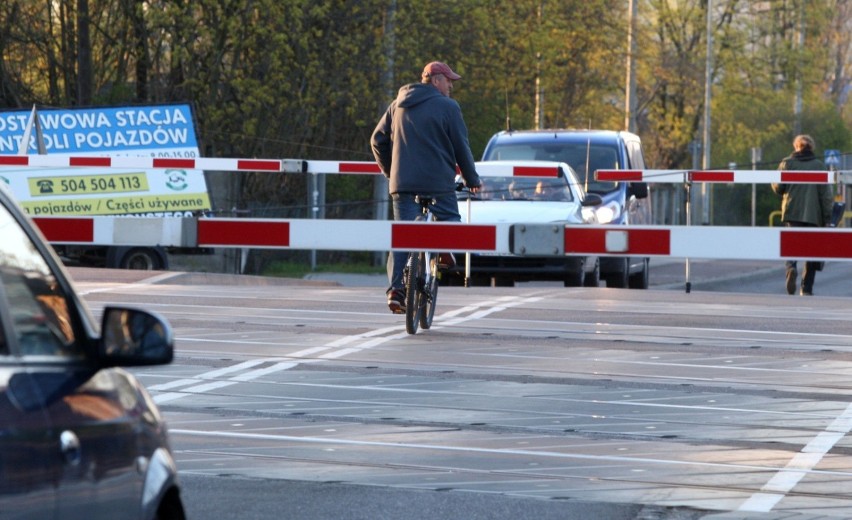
x: 130, y: 131
x: 102, y: 131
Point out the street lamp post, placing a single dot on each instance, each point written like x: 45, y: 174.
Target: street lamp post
x: 708, y: 71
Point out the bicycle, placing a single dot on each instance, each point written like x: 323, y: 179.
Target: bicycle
x: 421, y: 276
x: 422, y: 273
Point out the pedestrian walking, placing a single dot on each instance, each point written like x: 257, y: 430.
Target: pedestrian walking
x: 803, y: 205
x: 417, y: 143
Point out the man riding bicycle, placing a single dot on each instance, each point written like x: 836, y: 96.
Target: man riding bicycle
x: 417, y: 143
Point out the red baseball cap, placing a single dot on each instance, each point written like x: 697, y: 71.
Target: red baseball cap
x: 437, y: 67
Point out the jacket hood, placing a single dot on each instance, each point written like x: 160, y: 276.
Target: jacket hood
x: 415, y: 93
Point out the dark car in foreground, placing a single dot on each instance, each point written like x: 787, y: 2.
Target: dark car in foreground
x: 80, y: 438
x: 587, y: 151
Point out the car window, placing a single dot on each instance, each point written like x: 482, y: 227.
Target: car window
x: 577, y: 155
x: 39, y: 309
x: 524, y: 188
x: 637, y: 160
x: 494, y: 188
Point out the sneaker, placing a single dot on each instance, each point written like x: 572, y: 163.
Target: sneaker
x: 804, y: 292
x: 396, y: 301
x: 446, y: 260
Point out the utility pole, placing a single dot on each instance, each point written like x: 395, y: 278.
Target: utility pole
x: 708, y: 72
x: 539, y: 90
x: 800, y: 44
x: 381, y: 206
x: 630, y: 89
x: 539, y: 94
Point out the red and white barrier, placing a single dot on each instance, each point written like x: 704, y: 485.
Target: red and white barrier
x: 340, y: 235
x: 720, y: 176
x: 485, y: 168
x: 748, y: 243
x: 214, y: 164
x: 737, y: 243
x: 491, y: 169
x: 743, y: 243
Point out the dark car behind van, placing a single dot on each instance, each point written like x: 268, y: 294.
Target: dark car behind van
x: 587, y: 151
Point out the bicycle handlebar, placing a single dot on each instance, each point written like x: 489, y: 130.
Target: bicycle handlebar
x: 460, y: 186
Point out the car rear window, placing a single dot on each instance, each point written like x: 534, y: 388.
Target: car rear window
x: 524, y: 188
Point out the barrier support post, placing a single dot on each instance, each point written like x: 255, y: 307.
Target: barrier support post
x: 688, y: 286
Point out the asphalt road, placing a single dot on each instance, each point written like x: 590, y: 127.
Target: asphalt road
x: 306, y: 399
x: 754, y: 277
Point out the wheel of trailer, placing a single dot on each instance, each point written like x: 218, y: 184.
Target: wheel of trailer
x: 479, y: 281
x: 576, y: 279
x: 504, y: 281
x: 142, y: 259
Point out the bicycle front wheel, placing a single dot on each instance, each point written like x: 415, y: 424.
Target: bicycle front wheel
x: 413, y: 295
x: 430, y: 291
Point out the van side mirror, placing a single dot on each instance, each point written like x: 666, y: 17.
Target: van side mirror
x: 592, y: 199
x: 639, y: 189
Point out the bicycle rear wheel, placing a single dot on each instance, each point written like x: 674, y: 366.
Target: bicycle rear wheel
x: 430, y: 290
x: 413, y: 295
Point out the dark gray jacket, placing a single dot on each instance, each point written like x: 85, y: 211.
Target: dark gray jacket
x: 419, y: 141
x: 806, y: 203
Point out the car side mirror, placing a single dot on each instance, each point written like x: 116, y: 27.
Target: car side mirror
x: 134, y: 337
x: 592, y: 199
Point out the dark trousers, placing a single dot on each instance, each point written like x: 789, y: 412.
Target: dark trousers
x: 808, y: 274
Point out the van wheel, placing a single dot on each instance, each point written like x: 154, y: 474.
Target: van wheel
x: 641, y: 280
x: 593, y: 279
x: 620, y: 278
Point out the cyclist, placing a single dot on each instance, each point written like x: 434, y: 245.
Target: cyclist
x: 417, y: 143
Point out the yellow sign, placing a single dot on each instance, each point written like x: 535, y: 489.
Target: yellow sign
x: 88, y: 184
x: 143, y: 205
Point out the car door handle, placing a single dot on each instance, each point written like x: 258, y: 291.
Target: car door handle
x: 69, y: 445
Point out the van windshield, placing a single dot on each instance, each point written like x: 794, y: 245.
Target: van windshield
x: 600, y: 157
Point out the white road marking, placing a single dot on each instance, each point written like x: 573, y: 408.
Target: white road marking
x: 201, y: 383
x: 799, y: 466
x: 124, y: 286
x: 496, y: 451
x: 364, y: 341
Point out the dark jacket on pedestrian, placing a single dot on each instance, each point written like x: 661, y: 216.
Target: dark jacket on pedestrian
x: 419, y: 141
x: 804, y: 203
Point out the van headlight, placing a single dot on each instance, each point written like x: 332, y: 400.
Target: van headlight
x: 609, y: 212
